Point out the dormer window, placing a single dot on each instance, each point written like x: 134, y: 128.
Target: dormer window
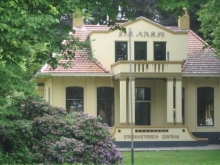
x: 159, y: 51
x: 121, y: 51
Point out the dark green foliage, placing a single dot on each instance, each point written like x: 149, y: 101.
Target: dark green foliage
x: 15, y: 142
x: 31, y: 33
x: 33, y: 107
x: 208, y: 14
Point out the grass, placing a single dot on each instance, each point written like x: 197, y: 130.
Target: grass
x: 190, y: 157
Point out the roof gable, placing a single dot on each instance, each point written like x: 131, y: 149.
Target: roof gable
x: 200, y: 60
x: 81, y: 62
x: 126, y: 24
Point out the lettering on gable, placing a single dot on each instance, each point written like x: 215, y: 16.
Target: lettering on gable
x: 143, y: 34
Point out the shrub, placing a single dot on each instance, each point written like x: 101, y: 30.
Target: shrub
x: 32, y: 108
x: 46, y: 134
x: 15, y: 143
x: 74, y: 138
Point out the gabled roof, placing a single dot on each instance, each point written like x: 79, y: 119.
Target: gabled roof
x: 80, y: 63
x: 175, y: 30
x: 200, y: 60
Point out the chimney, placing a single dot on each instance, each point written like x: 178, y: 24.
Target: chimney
x: 184, y: 21
x: 78, y: 18
x: 77, y: 21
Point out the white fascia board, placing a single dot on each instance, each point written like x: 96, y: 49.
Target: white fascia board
x: 201, y: 75
x: 78, y: 74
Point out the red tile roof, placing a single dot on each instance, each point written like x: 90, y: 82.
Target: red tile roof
x: 80, y: 63
x: 200, y: 60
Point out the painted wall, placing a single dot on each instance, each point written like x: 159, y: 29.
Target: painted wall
x: 58, y: 86
x: 158, y: 99
x: 176, y: 44
x: 191, y: 85
x: 48, y: 91
x: 90, y: 84
x: 40, y: 91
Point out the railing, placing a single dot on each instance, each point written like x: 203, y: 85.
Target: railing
x: 147, y: 67
x: 142, y: 67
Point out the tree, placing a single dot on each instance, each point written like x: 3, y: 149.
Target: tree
x: 208, y: 14
x: 151, y: 10
x: 31, y: 33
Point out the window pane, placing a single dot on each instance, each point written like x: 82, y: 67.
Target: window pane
x: 205, y: 106
x: 140, y: 50
x: 74, y: 99
x: 142, y: 93
x: 120, y: 51
x: 74, y: 93
x: 106, y: 112
x: 105, y: 104
x: 105, y: 93
x: 74, y: 105
x: 142, y: 113
x: 160, y: 51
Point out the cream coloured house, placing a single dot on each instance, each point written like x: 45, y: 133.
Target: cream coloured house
x: 173, y: 96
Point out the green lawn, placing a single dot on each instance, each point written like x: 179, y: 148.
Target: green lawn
x: 194, y: 157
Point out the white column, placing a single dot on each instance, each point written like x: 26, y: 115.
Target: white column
x: 170, y: 100
x: 131, y: 94
x: 122, y: 95
x: 178, y: 100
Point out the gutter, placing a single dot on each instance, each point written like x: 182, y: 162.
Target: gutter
x: 76, y: 74
x: 201, y: 75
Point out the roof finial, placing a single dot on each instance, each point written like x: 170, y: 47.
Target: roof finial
x: 118, y: 17
x: 119, y: 8
x: 107, y: 19
x: 185, y: 10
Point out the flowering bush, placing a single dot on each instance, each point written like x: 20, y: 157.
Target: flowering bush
x: 32, y: 107
x: 48, y: 135
x: 74, y: 138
